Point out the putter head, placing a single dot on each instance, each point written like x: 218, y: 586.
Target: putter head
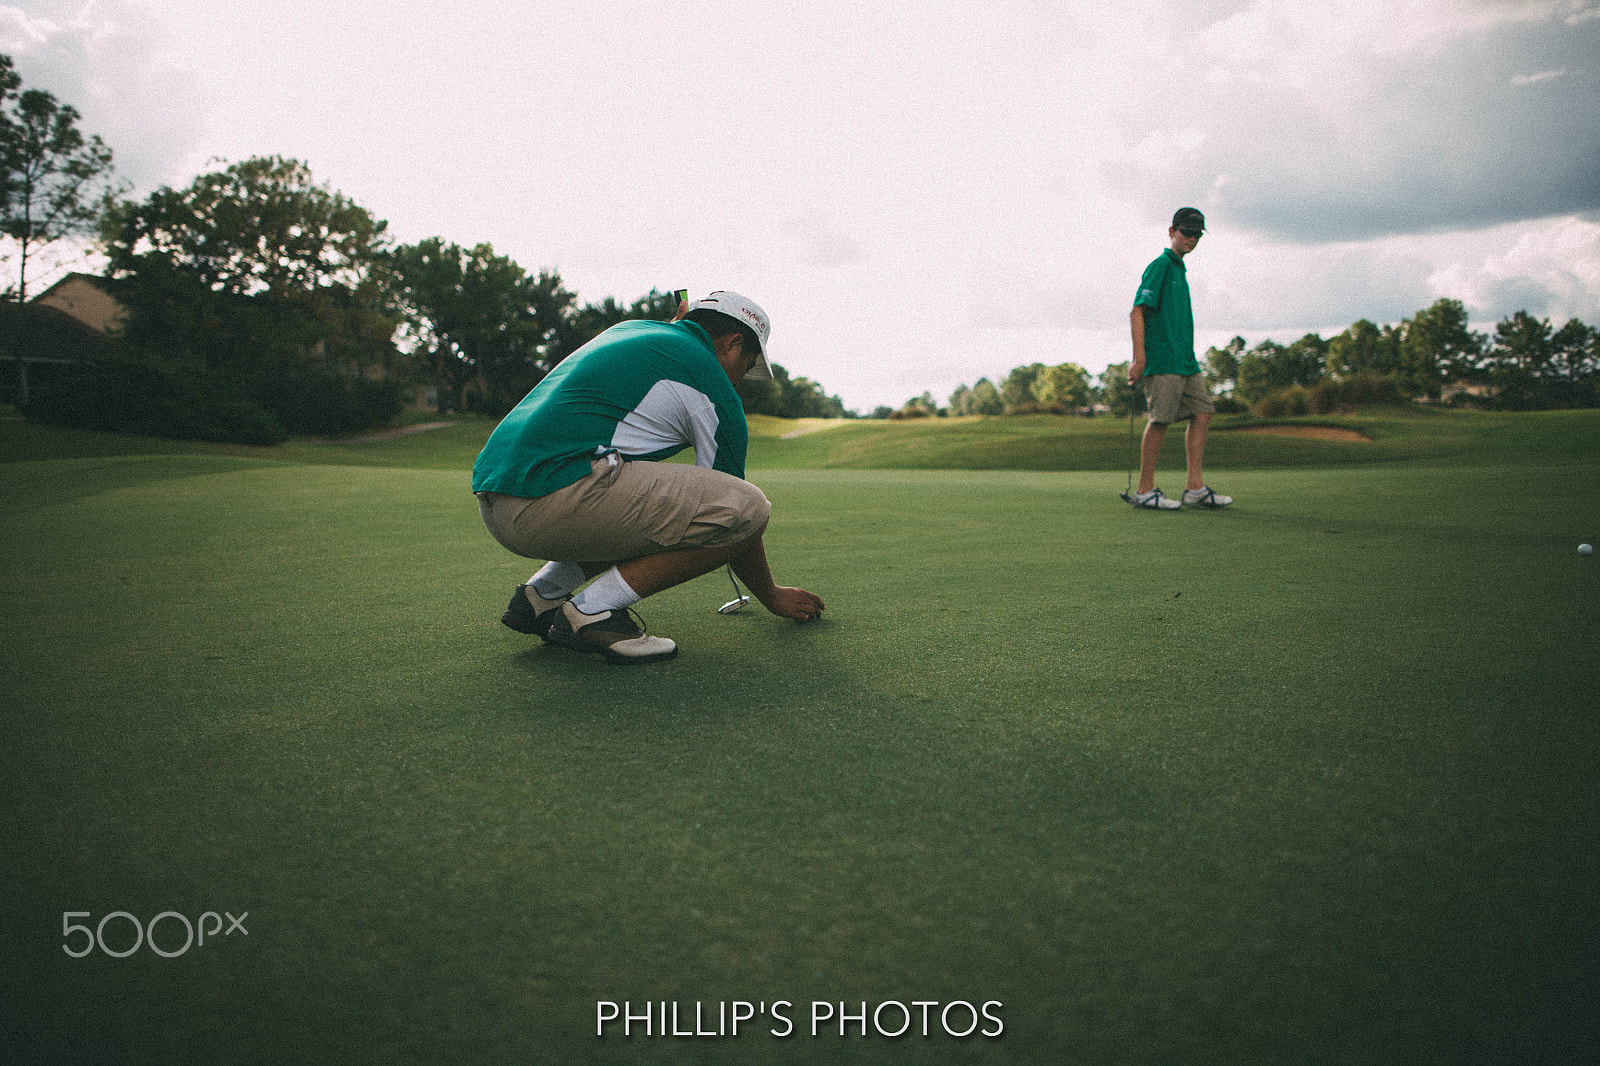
x: 734, y: 605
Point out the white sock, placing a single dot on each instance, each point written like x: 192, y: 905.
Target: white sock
x: 556, y: 581
x: 608, y: 592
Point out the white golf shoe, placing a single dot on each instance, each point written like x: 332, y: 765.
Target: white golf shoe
x: 1204, y: 497
x: 1155, y: 501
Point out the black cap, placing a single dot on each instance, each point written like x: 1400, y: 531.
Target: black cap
x: 1189, y: 218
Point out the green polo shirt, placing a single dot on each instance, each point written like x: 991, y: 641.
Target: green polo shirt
x: 644, y: 390
x: 1169, y: 324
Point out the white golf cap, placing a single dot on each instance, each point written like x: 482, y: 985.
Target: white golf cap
x: 746, y: 313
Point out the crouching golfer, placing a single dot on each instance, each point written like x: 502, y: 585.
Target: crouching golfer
x: 1162, y: 322
x: 572, y: 475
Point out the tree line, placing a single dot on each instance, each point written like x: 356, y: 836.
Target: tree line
x: 261, y: 302
x: 1527, y: 363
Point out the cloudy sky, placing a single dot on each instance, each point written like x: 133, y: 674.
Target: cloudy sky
x: 919, y: 194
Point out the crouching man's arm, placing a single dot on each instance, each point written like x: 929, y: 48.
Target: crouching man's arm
x: 751, y: 567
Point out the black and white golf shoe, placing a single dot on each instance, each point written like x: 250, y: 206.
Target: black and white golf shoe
x: 614, y: 634
x: 522, y: 616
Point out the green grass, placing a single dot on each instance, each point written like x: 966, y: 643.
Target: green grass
x: 1309, y: 780
x: 1033, y: 442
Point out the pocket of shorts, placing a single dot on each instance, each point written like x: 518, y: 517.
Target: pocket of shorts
x: 662, y: 511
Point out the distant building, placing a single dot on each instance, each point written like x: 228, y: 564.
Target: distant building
x: 86, y: 298
x: 38, y: 343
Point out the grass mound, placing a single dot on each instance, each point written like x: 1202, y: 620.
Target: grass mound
x: 1031, y: 442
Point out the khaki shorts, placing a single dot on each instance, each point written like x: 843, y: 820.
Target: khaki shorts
x: 623, y: 510
x: 1174, y: 397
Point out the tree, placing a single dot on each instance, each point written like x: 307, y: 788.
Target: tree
x: 981, y: 399
x: 924, y: 406
x: 585, y: 323
x: 1221, y: 366
x: 783, y: 397
x: 1256, y: 377
x: 263, y: 225
x: 986, y: 399
x: 1519, y: 361
x: 961, y: 401
x: 1364, y: 348
x: 1575, y: 351
x: 1305, y: 361
x: 804, y: 398
x: 1436, y: 346
x: 52, y: 179
x: 1120, y: 397
x: 1523, y: 343
x: 480, y: 319
x: 1270, y: 366
x: 1533, y: 366
x: 1066, y: 384
x: 9, y: 84
x: 1017, y: 388
x: 259, y: 275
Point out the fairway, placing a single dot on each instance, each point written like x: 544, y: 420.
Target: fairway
x: 1307, y: 780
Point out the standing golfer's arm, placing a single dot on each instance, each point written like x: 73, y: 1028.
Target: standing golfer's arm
x: 1136, y: 326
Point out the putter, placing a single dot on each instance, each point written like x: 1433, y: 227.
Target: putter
x: 1133, y: 451
x: 740, y: 601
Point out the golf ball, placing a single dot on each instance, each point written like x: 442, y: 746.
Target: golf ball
x: 1586, y: 549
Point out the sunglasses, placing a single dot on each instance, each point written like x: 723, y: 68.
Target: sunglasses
x: 1192, y: 234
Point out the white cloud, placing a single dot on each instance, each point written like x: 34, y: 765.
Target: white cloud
x: 1551, y: 269
x: 919, y: 195
x: 1534, y: 79
x: 1363, y: 118
x: 103, y: 58
x: 19, y: 33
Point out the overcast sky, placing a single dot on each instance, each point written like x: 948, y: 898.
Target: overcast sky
x: 919, y: 194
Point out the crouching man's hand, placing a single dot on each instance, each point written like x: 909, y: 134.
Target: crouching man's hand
x: 798, y: 604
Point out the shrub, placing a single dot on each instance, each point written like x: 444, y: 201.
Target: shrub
x: 1520, y: 391
x: 1227, y: 405
x: 132, y: 396
x: 1367, y: 390
x: 323, y: 404
x: 1331, y: 395
x: 1290, y: 401
x: 1034, y: 407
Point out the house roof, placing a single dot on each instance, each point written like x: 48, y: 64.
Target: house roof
x: 103, y: 284
x: 39, y: 332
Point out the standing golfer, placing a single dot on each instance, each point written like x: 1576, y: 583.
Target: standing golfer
x: 573, y: 475
x: 1162, y: 322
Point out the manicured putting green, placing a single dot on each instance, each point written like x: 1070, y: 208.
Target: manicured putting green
x: 1310, y: 780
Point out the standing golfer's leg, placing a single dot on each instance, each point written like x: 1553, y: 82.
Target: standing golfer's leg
x: 1148, y: 495
x: 1194, y: 448
x: 1161, y: 393
x: 1149, y: 451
